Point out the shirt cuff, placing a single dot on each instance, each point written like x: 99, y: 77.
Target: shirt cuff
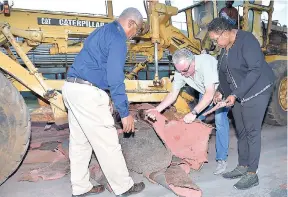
x: 124, y: 114
x: 123, y: 109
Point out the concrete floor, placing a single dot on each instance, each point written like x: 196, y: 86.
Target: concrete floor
x: 272, y: 175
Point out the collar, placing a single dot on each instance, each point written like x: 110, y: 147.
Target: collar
x: 120, y: 29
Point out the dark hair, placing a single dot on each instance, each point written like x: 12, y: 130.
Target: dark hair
x: 219, y: 24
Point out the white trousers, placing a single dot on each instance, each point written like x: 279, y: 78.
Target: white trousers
x: 92, y: 127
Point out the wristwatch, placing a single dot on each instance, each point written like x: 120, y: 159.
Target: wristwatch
x: 194, y: 112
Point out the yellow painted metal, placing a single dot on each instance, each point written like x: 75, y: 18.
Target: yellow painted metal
x: 29, y: 80
x: 109, y: 8
x: 68, y: 20
x: 27, y: 61
x: 272, y: 58
x: 137, y: 91
x: 282, y: 95
x: 37, y: 28
x: 155, y: 23
x: 182, y: 103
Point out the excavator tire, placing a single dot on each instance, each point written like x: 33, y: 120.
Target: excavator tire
x: 277, y: 110
x: 15, y: 128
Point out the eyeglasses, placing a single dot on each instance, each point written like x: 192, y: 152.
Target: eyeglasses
x: 215, y: 41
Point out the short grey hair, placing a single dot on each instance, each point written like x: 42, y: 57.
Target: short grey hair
x: 133, y: 14
x: 182, y: 54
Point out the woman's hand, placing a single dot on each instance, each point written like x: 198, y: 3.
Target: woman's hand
x: 217, y: 97
x: 230, y: 101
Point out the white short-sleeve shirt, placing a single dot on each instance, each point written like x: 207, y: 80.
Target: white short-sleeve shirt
x: 206, y: 74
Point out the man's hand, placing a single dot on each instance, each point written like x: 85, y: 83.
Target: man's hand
x: 230, y: 101
x: 217, y: 97
x: 128, y: 124
x: 189, y: 118
x: 150, y: 113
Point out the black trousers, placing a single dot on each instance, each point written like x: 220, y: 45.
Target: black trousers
x: 248, y: 120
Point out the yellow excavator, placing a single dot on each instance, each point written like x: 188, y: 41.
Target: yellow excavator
x: 58, y: 29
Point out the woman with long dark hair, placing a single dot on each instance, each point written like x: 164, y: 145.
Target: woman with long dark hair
x: 246, y: 83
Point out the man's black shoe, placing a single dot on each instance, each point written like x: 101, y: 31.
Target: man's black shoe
x: 135, y: 189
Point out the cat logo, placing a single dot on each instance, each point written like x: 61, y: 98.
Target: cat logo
x: 69, y: 22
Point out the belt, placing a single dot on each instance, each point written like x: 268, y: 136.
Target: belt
x: 81, y: 81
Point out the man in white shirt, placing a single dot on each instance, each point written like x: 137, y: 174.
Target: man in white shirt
x: 199, y: 72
